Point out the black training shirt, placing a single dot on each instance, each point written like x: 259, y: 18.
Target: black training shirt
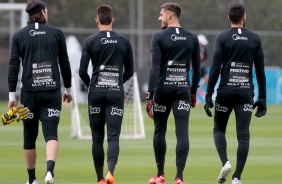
x: 236, y: 51
x: 112, y: 61
x: 172, y: 50
x: 42, y: 49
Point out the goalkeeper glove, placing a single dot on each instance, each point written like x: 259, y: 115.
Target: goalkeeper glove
x: 261, y: 104
x: 15, y: 113
x: 208, y: 104
x: 149, y: 104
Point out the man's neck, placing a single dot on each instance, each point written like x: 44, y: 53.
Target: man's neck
x: 174, y: 23
x: 237, y: 25
x: 106, y: 27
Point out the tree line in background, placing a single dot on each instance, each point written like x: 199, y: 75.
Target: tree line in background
x: 263, y: 16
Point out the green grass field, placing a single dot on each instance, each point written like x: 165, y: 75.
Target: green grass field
x: 136, y: 161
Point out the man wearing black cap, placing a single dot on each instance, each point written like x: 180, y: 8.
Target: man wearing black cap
x: 42, y: 50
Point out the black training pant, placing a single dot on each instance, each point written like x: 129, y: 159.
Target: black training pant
x: 241, y: 101
x: 46, y: 107
x: 105, y: 108
x: 179, y: 102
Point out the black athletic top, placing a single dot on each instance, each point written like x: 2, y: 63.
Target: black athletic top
x: 236, y: 50
x: 112, y: 61
x: 172, y: 50
x: 42, y: 49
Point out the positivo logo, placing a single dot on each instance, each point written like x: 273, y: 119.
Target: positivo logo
x: 34, y: 33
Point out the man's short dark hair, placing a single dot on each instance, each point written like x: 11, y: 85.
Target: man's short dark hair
x: 37, y: 17
x: 172, y: 7
x: 105, y: 14
x: 236, y: 13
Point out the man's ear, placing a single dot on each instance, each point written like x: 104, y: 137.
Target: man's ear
x: 113, y: 20
x: 97, y: 21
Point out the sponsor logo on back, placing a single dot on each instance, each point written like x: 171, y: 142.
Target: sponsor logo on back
x: 116, y: 111
x: 174, y: 37
x: 237, y: 37
x: 106, y: 41
x: 183, y: 106
x: 94, y: 110
x: 53, y: 112
x: 220, y: 108
x: 34, y: 33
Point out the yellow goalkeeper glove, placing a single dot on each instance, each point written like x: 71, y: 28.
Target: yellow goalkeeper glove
x: 15, y: 113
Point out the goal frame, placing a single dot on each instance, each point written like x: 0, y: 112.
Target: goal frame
x: 76, y: 129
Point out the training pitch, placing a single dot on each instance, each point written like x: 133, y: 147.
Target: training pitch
x: 136, y: 161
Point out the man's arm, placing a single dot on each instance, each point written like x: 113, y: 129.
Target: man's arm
x: 84, y: 62
x: 155, y: 64
x: 196, y: 65
x: 13, y: 71
x: 128, y: 64
x: 259, y: 66
x: 216, y: 66
x: 64, y: 62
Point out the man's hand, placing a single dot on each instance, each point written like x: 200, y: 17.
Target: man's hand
x: 15, y: 113
x: 67, y: 98
x: 149, y: 104
x: 208, y: 104
x: 261, y: 110
x: 193, y: 100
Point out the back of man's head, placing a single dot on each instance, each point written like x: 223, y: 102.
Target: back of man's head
x: 236, y: 13
x: 34, y: 8
x: 105, y: 14
x: 175, y: 8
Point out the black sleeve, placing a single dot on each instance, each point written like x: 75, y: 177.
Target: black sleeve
x: 84, y: 62
x: 14, y: 65
x: 64, y: 62
x: 155, y: 63
x: 259, y: 66
x: 214, y: 72
x: 216, y: 66
x: 155, y: 70
x: 128, y: 64
x: 196, y: 64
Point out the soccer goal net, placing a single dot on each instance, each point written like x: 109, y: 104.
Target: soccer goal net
x: 132, y: 125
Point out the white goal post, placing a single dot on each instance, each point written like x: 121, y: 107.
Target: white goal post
x: 16, y: 6
x: 132, y: 124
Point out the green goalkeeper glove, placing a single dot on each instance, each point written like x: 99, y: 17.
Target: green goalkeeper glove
x: 15, y: 113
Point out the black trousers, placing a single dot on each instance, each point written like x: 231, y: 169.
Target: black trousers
x: 44, y: 106
x: 241, y: 101
x: 105, y: 109
x: 179, y: 102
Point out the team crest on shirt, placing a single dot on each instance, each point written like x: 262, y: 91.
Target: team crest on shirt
x: 116, y: 111
x: 94, y: 110
x: 248, y: 107
x: 53, y: 113
x: 183, y: 106
x: 220, y: 108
